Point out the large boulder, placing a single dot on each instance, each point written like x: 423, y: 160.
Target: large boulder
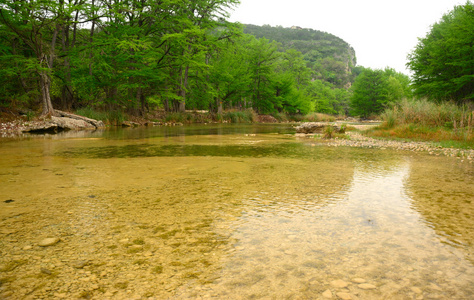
x: 316, y: 127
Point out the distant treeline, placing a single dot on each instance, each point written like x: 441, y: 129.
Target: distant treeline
x: 137, y: 55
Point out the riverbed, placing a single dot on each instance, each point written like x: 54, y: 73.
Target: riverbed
x: 230, y: 212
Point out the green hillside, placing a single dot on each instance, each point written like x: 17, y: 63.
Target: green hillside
x: 329, y: 57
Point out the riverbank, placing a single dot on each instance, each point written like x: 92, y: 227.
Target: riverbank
x: 356, y: 138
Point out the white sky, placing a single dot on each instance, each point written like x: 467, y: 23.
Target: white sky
x: 382, y: 32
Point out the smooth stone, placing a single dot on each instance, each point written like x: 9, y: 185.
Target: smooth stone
x: 344, y: 296
x: 46, y: 271
x: 28, y: 247
x: 60, y: 295
x: 48, y: 242
x: 80, y: 264
x: 327, y: 294
x: 367, y: 286
x: 339, y: 283
x: 358, y: 280
x: 416, y: 290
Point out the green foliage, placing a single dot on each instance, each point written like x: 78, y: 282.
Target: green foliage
x: 327, y: 56
x: 375, y: 90
x: 166, y: 54
x: 91, y: 113
x: 329, y: 132
x: 442, y: 62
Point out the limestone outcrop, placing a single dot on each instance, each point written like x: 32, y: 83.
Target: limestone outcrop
x: 63, y: 122
x: 316, y: 127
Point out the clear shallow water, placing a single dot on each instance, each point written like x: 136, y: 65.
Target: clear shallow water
x: 235, y: 212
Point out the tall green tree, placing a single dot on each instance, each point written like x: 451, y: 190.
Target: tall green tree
x: 36, y: 24
x: 370, y: 93
x: 443, y: 61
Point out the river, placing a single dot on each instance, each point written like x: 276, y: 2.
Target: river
x: 230, y: 212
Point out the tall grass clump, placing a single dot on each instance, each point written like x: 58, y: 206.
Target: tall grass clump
x: 240, y: 116
x: 91, y: 113
x: 115, y: 117
x: 178, y: 117
x: 318, y: 117
x: 425, y: 120
x: 424, y: 112
x: 280, y: 117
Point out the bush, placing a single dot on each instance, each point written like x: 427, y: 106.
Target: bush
x: 328, y: 132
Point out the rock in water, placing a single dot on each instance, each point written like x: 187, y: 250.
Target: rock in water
x: 48, y: 242
x: 367, y: 286
x: 327, y: 294
x: 315, y: 127
x: 339, y: 283
x: 344, y: 296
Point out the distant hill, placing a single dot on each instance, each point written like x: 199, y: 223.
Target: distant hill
x: 330, y: 57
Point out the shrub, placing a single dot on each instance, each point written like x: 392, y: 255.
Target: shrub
x: 328, y: 132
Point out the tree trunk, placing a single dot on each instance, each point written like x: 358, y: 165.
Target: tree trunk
x: 45, y: 83
x: 182, y: 90
x: 45, y: 78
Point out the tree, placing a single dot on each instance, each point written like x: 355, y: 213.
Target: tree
x: 371, y: 90
x: 36, y: 24
x: 443, y: 61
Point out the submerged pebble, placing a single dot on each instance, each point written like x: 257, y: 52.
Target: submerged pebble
x: 49, y: 242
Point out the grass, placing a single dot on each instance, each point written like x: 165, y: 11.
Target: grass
x: 329, y: 132
x: 318, y: 117
x: 444, y: 123
x: 240, y: 116
x: 281, y: 117
x: 114, y: 117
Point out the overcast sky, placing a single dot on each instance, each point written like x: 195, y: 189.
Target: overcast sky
x: 382, y: 32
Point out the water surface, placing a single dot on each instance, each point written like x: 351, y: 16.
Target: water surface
x: 230, y: 212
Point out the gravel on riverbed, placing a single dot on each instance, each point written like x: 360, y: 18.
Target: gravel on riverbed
x: 357, y: 139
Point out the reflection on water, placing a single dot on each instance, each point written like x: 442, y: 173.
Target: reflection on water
x: 232, y: 212
x: 445, y: 199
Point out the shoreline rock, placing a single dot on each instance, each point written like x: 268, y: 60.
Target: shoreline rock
x: 358, y: 140
x: 316, y: 127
